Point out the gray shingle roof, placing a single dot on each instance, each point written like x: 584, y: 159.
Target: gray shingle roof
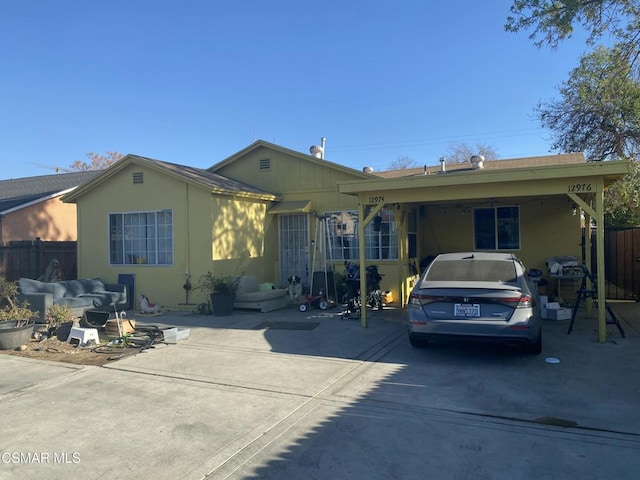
x: 20, y: 191
x: 211, y: 179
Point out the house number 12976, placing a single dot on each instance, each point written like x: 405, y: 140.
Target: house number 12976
x: 580, y: 187
x: 376, y: 199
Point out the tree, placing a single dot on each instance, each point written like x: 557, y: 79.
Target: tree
x: 553, y: 21
x: 462, y: 152
x: 402, y: 163
x: 599, y: 109
x: 96, y: 161
x: 622, y: 204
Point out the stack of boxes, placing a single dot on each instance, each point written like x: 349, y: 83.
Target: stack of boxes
x: 553, y: 310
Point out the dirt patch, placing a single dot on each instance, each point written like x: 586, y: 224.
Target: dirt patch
x: 55, y: 350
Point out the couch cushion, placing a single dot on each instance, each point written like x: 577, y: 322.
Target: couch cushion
x: 247, y: 284
x: 28, y: 286
x: 76, y: 288
x: 103, y: 298
x: 74, y: 301
x: 261, y: 295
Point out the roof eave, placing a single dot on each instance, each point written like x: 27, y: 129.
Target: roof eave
x: 611, y: 170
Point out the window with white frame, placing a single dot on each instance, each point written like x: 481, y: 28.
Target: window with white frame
x: 381, y: 236
x: 496, y: 228
x: 141, y: 238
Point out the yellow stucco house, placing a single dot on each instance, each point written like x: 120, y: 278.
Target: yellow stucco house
x: 266, y: 211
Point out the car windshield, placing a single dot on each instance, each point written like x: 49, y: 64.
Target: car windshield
x: 472, y: 271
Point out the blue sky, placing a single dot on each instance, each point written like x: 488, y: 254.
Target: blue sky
x: 194, y: 81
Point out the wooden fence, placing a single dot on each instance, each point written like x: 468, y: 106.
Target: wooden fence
x: 622, y: 262
x: 30, y: 259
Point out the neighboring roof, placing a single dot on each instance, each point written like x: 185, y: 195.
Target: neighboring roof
x: 525, y: 162
x: 309, y: 158
x: 196, y: 176
x: 20, y: 192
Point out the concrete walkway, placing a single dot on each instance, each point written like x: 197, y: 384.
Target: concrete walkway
x: 244, y: 397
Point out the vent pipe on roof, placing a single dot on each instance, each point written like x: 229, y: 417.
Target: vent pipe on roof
x: 367, y: 169
x: 477, y: 161
x: 318, y: 150
x: 443, y: 166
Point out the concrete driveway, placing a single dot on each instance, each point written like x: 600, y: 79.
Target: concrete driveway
x: 307, y: 395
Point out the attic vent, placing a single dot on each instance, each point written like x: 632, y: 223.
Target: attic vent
x: 265, y: 164
x: 138, y: 177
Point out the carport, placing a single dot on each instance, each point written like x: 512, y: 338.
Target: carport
x: 583, y: 183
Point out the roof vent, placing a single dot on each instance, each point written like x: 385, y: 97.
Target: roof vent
x: 318, y: 150
x: 367, y: 169
x: 477, y: 161
x: 265, y: 164
x: 443, y: 164
x: 138, y: 177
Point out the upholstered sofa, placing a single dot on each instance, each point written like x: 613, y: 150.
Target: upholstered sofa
x: 79, y: 295
x: 251, y: 295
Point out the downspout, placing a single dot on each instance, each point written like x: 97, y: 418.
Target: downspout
x: 186, y: 232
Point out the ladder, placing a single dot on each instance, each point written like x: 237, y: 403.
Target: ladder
x: 584, y: 293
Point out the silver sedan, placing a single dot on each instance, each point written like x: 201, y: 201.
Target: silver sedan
x: 483, y: 296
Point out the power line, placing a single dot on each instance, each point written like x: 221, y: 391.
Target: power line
x: 436, y: 140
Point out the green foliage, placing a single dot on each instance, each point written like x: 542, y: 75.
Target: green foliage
x: 10, y: 309
x: 58, y: 314
x: 217, y: 283
x: 622, y: 200
x: 599, y: 108
x: 553, y: 21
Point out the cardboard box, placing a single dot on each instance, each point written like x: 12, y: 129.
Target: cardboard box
x: 558, y: 313
x: 127, y: 325
x: 544, y: 300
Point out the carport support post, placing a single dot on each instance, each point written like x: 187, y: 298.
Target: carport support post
x: 362, y: 254
x: 602, y: 321
x: 598, y: 215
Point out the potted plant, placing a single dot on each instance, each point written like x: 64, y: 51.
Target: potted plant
x: 16, y: 319
x: 58, y: 315
x: 221, y: 290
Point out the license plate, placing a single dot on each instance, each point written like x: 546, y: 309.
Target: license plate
x: 466, y: 310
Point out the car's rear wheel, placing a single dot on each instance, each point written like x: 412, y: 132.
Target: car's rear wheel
x: 417, y: 341
x: 534, y: 348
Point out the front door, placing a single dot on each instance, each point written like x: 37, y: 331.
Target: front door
x: 294, y: 247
